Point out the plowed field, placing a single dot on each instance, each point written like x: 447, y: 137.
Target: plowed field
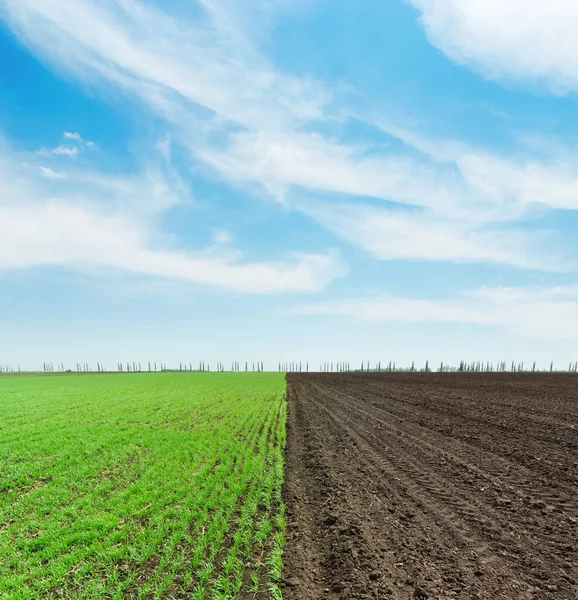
x: 432, y: 485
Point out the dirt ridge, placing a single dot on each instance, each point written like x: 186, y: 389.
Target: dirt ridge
x: 432, y: 485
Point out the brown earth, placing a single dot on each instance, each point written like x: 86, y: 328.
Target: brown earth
x: 432, y: 485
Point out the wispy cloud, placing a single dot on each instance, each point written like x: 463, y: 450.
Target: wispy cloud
x: 280, y: 160
x: 257, y: 126
x: 166, y: 60
x: 448, y: 177
x: 542, y: 313
x: 90, y: 220
x: 71, y: 152
x: 68, y: 236
x: 443, y: 201
x: 48, y: 172
x: 222, y: 238
x: 495, y: 186
x: 423, y: 235
x: 524, y: 40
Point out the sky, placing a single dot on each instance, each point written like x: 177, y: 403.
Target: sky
x: 288, y: 180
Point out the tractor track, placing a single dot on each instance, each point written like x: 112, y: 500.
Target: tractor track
x: 454, y: 485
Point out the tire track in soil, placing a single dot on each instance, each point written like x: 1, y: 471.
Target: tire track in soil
x: 402, y: 483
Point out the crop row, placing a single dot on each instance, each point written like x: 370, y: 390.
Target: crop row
x: 141, y: 486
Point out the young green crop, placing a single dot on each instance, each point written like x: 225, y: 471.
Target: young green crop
x: 141, y: 485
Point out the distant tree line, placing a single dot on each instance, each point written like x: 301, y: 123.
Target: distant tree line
x: 299, y: 367
x: 390, y: 367
x: 293, y: 367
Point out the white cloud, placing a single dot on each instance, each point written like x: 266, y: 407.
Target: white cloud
x: 485, y: 186
x: 282, y: 159
x: 165, y: 59
x: 542, y: 313
x: 254, y: 124
x: 453, y: 180
x: 65, y: 151
x: 94, y: 221
x: 68, y: 135
x: 68, y: 236
x: 471, y: 200
x: 76, y: 137
x: 48, y: 172
x: 59, y: 151
x: 529, y: 40
x: 394, y: 234
x: 222, y: 238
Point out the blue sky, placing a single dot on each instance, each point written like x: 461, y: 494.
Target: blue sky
x: 288, y: 180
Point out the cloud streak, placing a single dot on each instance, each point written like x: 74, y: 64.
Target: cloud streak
x: 67, y: 236
x: 418, y: 235
x: 539, y: 313
x: 258, y: 127
x: 165, y: 59
x: 91, y: 221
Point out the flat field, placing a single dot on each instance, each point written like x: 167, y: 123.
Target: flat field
x: 432, y: 486
x: 141, y: 486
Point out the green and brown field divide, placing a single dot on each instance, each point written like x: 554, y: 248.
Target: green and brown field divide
x: 341, y: 486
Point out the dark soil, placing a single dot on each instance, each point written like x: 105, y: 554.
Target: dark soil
x: 432, y: 486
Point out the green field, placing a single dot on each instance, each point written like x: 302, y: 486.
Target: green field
x: 145, y: 485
